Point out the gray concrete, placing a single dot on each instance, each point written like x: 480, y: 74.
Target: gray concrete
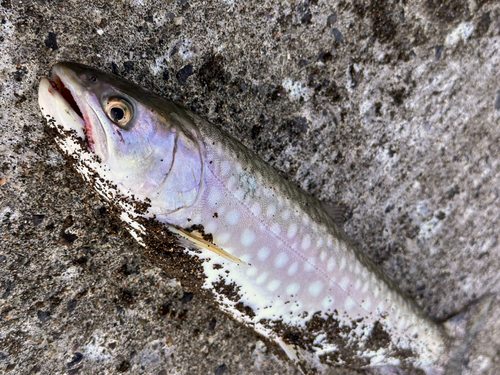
x: 392, y: 108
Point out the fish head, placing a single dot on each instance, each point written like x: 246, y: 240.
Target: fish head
x: 130, y: 142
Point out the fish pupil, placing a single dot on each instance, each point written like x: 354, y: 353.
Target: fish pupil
x: 117, y: 114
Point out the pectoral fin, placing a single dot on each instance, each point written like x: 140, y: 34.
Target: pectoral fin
x: 199, y: 242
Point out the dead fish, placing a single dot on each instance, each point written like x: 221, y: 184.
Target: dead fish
x: 292, y: 273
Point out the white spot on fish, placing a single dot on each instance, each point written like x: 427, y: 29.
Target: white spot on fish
x: 329, y: 241
x: 292, y: 288
x: 315, y: 288
x: 276, y: 229
x: 271, y: 211
x: 357, y: 268
x: 263, y: 254
x: 365, y: 287
x: 306, y: 242
x: 380, y: 307
x: 211, y: 227
x: 293, y: 269
x: 330, y: 266
x: 233, y: 217
x: 246, y: 258
x: 281, y: 260
x: 240, y: 194
x: 327, y: 302
x: 344, y: 283
x: 248, y: 237
x: 261, y: 278
x: 225, y: 168
x: 214, y: 197
x: 343, y: 263
x: 305, y: 219
x: 357, y: 285
x: 322, y: 256
x: 310, y: 265
x: 349, y: 303
x: 292, y: 230
x: 256, y: 209
x: 285, y: 215
x: 319, y: 242
x: 223, y: 238
x: 252, y: 271
x: 273, y: 285
x: 367, y: 303
x: 296, y: 306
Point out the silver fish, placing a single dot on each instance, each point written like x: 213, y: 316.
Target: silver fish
x: 270, y: 255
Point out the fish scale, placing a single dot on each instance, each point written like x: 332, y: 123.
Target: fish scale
x: 271, y: 256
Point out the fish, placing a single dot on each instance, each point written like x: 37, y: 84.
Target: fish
x: 270, y: 255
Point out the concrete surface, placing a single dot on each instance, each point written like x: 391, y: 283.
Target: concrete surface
x: 392, y: 108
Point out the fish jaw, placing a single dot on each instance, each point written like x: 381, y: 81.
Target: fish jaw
x: 55, y: 107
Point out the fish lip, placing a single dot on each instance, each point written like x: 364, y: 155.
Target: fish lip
x: 66, y: 83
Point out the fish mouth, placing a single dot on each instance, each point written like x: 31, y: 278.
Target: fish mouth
x: 58, y: 84
x: 62, y: 100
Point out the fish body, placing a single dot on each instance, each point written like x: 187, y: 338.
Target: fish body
x: 270, y: 254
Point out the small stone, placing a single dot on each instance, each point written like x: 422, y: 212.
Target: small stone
x: 332, y: 18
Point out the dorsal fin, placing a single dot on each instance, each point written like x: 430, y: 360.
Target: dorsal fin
x: 199, y: 242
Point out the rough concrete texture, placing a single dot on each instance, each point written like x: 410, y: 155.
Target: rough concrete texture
x: 392, y: 108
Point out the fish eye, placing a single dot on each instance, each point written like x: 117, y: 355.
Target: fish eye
x: 120, y: 111
x: 92, y: 79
